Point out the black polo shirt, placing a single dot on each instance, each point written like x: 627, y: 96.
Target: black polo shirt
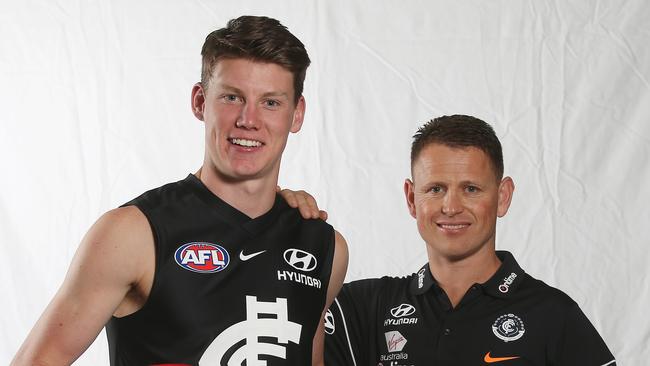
x: 512, y: 319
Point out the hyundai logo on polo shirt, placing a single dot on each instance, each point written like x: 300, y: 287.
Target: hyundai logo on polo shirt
x: 300, y: 260
x: 402, y: 310
x: 399, y: 313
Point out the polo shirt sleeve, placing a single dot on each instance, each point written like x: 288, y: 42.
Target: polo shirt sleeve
x: 580, y: 343
x: 346, y: 342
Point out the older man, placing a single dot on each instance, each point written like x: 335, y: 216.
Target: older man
x: 469, y: 304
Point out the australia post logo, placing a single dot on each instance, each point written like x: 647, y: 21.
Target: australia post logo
x: 202, y: 257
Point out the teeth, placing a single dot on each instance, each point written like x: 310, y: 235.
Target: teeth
x: 246, y: 143
x: 452, y: 227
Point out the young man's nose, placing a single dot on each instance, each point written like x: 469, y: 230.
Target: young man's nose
x: 248, y: 117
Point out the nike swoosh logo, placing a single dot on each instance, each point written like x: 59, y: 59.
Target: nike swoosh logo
x: 490, y: 359
x: 246, y: 257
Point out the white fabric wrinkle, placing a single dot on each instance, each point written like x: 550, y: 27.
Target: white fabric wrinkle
x: 629, y: 56
x: 394, y: 69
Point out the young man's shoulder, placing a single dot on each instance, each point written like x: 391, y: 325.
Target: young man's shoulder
x: 161, y: 194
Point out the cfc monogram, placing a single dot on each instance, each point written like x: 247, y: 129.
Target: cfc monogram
x: 251, y: 330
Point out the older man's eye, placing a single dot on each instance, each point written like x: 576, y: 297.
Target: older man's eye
x: 271, y: 103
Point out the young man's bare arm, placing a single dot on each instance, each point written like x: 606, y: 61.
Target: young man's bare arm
x: 114, y: 258
x: 339, y: 268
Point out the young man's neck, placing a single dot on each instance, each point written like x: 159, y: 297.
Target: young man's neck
x: 252, y: 197
x: 456, y: 277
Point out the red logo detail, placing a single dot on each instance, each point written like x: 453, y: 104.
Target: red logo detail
x: 394, y: 341
x: 202, y: 257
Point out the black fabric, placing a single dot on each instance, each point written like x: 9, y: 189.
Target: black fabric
x: 190, y: 313
x: 538, y: 324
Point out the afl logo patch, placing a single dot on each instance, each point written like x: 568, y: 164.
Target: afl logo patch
x: 202, y: 257
x: 299, y: 259
x: 508, y: 327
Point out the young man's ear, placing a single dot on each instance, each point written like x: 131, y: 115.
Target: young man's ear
x: 198, y: 100
x: 409, y: 193
x: 506, y: 189
x: 298, y: 115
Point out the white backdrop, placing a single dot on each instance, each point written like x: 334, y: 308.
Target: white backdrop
x: 94, y: 110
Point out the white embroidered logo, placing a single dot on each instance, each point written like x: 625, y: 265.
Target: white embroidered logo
x: 402, y: 310
x: 329, y: 322
x: 250, y: 330
x: 508, y: 327
x: 505, y: 286
x: 421, y: 278
x: 245, y: 257
x: 301, y: 260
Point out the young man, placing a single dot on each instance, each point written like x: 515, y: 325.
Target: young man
x: 470, y: 304
x: 216, y: 268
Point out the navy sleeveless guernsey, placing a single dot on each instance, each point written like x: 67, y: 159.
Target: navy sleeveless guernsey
x: 226, y: 288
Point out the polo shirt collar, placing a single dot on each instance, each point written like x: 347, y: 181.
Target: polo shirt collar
x: 506, y: 279
x: 422, y: 280
x: 503, y: 283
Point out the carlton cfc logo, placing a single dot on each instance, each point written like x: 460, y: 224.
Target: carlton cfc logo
x: 202, y: 257
x: 508, y: 327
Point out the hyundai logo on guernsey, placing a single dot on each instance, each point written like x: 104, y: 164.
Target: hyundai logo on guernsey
x: 299, y: 259
x: 202, y: 257
x: 505, y: 286
x: 303, y: 261
x: 400, y: 313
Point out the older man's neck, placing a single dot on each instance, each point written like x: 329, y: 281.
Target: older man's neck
x: 455, y: 277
